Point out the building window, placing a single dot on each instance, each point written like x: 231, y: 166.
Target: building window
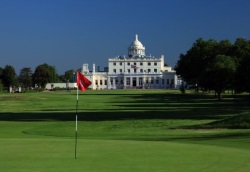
x: 120, y: 63
x: 114, y: 63
x: 128, y: 70
x: 134, y: 70
x: 140, y: 81
x: 120, y: 70
x: 141, y: 70
x: 155, y: 70
x: 135, y: 64
x: 163, y: 81
x: 127, y: 81
x: 157, y: 80
x: 105, y: 82
x: 149, y: 70
x: 152, y: 80
x: 114, y: 70
x: 167, y: 81
x: 100, y: 82
x: 141, y: 64
x: 96, y: 82
x: 155, y: 63
x: 128, y: 63
x: 149, y: 64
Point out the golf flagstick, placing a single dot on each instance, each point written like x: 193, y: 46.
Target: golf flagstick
x: 83, y: 83
x: 76, y: 121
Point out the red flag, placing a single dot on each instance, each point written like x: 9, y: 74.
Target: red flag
x: 82, y: 82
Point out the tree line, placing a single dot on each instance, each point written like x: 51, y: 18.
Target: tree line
x: 28, y: 79
x: 216, y: 65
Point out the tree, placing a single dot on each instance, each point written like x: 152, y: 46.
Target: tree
x: 1, y: 74
x: 9, y: 76
x: 69, y: 75
x: 219, y: 74
x: 241, y: 48
x: 190, y: 65
x: 1, y: 79
x: 241, y: 51
x: 25, y: 77
x: 209, y: 64
x: 41, y: 76
x: 242, y: 79
x: 243, y: 76
x: 44, y: 74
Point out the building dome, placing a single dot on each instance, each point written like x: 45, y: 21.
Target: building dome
x: 136, y: 48
x: 136, y: 43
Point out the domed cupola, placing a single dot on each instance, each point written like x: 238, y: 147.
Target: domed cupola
x: 136, y: 48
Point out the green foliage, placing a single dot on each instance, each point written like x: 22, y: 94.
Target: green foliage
x: 1, y: 74
x: 219, y: 74
x: 32, y: 90
x: 9, y: 76
x: 190, y: 65
x: 1, y: 87
x: 242, y: 76
x: 182, y: 89
x: 25, y: 77
x: 63, y: 89
x: 69, y: 75
x: 44, y: 74
x: 212, y: 65
x: 41, y: 76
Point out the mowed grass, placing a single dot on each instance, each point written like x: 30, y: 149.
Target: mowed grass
x: 132, y: 130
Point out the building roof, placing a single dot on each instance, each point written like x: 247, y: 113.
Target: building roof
x: 136, y: 44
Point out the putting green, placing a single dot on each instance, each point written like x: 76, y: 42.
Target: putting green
x: 56, y: 154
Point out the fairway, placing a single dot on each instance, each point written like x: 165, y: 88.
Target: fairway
x: 152, y: 130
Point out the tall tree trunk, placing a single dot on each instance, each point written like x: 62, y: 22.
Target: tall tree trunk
x: 219, y: 95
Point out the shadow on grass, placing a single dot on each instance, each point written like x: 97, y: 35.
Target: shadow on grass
x: 114, y: 115
x: 94, y: 116
x: 220, y: 136
x: 141, y: 106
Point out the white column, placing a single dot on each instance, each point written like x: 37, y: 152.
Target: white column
x: 94, y: 68
x: 137, y: 81
x: 114, y: 84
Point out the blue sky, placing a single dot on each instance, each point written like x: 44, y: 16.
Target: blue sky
x: 68, y: 33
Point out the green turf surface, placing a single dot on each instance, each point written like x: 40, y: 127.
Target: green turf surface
x: 123, y: 131
x: 108, y: 155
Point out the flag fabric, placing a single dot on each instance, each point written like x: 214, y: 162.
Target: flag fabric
x: 134, y: 67
x: 82, y: 82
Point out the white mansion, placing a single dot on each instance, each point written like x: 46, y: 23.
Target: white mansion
x: 136, y: 71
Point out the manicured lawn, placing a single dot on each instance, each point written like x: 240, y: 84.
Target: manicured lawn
x: 57, y: 154
x: 152, y: 130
